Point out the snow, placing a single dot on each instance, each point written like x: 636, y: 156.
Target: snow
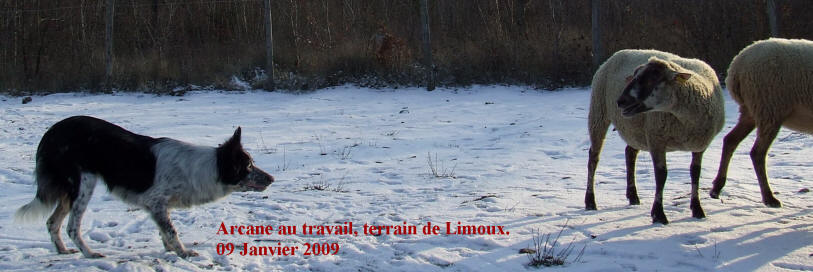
x: 508, y: 156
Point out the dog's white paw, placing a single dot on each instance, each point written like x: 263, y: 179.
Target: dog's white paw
x: 187, y: 253
x: 94, y: 255
x: 67, y: 251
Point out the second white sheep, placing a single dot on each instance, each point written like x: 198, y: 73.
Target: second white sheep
x: 772, y: 81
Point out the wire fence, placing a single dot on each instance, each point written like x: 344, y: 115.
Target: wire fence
x: 158, y: 45
x: 132, y: 5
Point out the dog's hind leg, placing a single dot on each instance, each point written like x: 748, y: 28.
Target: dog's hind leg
x: 54, y: 223
x: 80, y: 204
x: 169, y: 236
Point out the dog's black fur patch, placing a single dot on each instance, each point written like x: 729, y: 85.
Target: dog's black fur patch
x: 87, y: 144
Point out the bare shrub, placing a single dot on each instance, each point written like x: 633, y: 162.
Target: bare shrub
x: 436, y: 168
x: 549, y: 252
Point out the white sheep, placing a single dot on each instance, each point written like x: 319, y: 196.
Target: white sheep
x: 658, y: 102
x: 772, y: 81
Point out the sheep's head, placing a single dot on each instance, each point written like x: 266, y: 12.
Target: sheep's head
x: 650, y: 87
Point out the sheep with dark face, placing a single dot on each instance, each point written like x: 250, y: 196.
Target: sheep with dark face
x: 658, y: 102
x: 772, y: 81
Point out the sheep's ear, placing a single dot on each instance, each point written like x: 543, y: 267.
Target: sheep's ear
x: 682, y: 77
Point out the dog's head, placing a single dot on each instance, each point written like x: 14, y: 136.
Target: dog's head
x: 236, y: 168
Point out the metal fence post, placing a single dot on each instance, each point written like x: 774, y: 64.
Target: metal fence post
x: 773, y: 23
x: 596, y: 31
x: 427, y: 46
x: 269, y: 48
x: 108, y: 45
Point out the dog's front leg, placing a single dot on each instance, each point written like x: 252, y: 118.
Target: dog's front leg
x: 160, y: 214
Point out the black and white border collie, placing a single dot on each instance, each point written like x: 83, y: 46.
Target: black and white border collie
x: 153, y: 173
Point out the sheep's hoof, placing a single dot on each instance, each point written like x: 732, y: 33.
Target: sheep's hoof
x: 698, y: 214
x: 661, y: 220
x: 590, y: 202
x: 772, y: 202
x: 717, y: 187
x: 714, y: 194
x: 697, y: 210
x: 658, y: 216
x: 632, y: 195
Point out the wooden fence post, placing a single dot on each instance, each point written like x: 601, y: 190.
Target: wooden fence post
x: 269, y: 48
x: 596, y: 30
x: 108, y: 45
x: 427, y: 46
x: 773, y: 23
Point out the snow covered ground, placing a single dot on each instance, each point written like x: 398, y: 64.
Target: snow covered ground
x: 509, y: 156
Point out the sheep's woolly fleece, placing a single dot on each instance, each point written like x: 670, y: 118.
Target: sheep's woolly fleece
x: 700, y: 100
x: 773, y: 79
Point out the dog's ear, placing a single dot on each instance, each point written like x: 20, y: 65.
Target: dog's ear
x: 232, y: 160
x: 236, y: 136
x: 234, y: 141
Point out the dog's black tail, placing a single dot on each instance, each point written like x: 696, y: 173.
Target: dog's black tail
x: 49, y: 192
x: 33, y: 211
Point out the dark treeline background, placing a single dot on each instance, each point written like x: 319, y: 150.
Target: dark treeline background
x: 58, y: 45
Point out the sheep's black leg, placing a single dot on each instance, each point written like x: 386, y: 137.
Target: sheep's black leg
x: 598, y: 130
x: 632, y: 193
x: 659, y: 161
x: 694, y: 172
x: 765, y: 136
x: 744, y: 127
x: 592, y: 163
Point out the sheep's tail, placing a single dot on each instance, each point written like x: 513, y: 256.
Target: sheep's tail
x: 732, y: 83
